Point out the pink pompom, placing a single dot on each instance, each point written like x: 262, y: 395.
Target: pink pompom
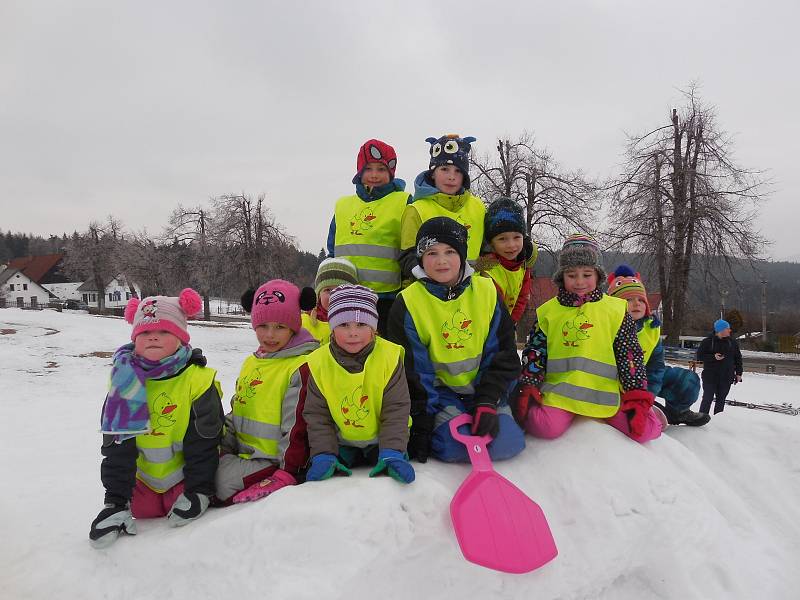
x: 190, y: 302
x: 130, y: 309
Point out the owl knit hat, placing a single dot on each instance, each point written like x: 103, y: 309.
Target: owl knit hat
x: 579, y: 250
x: 451, y: 149
x: 626, y: 283
x: 278, y: 301
x: 375, y: 151
x: 353, y: 303
x: 333, y: 272
x: 163, y: 313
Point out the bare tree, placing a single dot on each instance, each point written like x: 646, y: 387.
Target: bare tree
x: 556, y: 202
x: 145, y: 263
x: 92, y: 255
x: 681, y: 196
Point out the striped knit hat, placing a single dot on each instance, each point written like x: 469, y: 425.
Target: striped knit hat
x: 579, y: 250
x: 626, y: 283
x: 353, y: 303
x: 335, y: 271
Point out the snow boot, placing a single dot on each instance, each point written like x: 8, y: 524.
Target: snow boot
x: 662, y: 416
x: 686, y: 417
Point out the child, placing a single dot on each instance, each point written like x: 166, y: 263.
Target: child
x: 443, y: 191
x: 161, y: 422
x: 679, y: 387
x: 265, y: 444
x: 357, y: 407
x: 512, y: 255
x: 330, y: 273
x: 581, y: 351
x: 722, y: 366
x: 460, y: 350
x: 366, y: 226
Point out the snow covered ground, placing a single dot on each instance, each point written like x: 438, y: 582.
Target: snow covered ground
x: 703, y: 513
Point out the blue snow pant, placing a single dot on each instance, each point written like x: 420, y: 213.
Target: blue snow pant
x: 680, y: 388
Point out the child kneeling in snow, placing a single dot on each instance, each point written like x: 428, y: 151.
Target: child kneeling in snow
x: 161, y: 420
x: 581, y: 351
x: 357, y: 407
x: 265, y: 443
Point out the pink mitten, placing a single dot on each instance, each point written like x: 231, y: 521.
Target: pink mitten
x: 265, y: 487
x: 636, y: 404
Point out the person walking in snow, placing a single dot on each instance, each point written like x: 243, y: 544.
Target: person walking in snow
x: 265, y: 446
x: 161, y: 422
x: 583, y: 356
x: 722, y: 366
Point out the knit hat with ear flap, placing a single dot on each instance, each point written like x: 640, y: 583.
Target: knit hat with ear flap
x: 626, y: 283
x: 451, y: 149
x: 163, y: 313
x: 278, y: 301
x: 579, y: 250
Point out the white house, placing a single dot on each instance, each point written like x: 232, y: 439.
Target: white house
x: 17, y: 289
x: 64, y: 291
x: 117, y: 292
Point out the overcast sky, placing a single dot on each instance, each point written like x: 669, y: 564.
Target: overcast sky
x: 129, y: 108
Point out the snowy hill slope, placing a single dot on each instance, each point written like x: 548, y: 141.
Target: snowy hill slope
x: 699, y: 513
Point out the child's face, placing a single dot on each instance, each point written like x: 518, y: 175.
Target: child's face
x: 637, y: 308
x: 325, y: 297
x: 508, y: 244
x: 442, y: 263
x: 580, y: 280
x: 353, y: 337
x: 375, y: 174
x: 156, y: 345
x: 448, y: 179
x: 273, y: 336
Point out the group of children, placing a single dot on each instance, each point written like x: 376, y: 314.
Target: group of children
x: 398, y: 336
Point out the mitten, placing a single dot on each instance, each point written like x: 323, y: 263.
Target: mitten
x: 484, y: 420
x: 265, y: 487
x: 323, y: 466
x: 188, y: 507
x: 419, y: 440
x: 394, y: 463
x: 110, y: 522
x: 637, y: 404
x: 521, y: 402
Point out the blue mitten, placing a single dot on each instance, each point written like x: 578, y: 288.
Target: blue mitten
x: 323, y: 466
x: 395, y: 464
x: 188, y: 507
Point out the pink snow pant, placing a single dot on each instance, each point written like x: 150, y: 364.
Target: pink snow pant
x: 147, y: 504
x: 549, y: 422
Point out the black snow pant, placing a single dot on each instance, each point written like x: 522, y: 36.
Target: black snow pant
x: 715, y: 389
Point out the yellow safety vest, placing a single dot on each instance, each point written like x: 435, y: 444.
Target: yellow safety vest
x: 648, y: 338
x: 581, y: 372
x: 368, y: 235
x: 160, y: 461
x: 321, y: 331
x: 455, y: 331
x: 260, y: 390
x: 509, y: 282
x: 355, y: 399
x: 471, y: 216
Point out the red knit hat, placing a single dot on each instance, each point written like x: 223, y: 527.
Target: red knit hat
x: 278, y: 301
x: 163, y: 313
x: 376, y: 151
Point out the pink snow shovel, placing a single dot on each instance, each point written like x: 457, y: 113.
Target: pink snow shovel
x: 496, y: 524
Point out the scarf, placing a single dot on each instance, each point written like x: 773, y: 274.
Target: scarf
x: 125, y: 413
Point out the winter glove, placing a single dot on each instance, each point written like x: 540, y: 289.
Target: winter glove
x: 419, y: 441
x: 265, y: 487
x: 521, y: 402
x: 110, y: 522
x: 188, y: 507
x: 637, y: 404
x: 324, y: 466
x: 395, y: 464
x: 485, y: 420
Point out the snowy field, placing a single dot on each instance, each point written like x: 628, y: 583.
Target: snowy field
x: 700, y: 513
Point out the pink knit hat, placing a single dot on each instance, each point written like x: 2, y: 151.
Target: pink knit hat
x: 278, y: 301
x: 163, y: 313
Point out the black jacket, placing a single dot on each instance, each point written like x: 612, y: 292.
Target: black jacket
x: 730, y: 365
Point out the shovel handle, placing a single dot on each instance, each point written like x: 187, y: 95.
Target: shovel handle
x: 476, y: 444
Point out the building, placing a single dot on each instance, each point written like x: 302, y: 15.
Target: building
x: 17, y: 289
x: 41, y: 269
x: 116, y: 293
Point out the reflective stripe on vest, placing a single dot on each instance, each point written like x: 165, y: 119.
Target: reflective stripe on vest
x: 471, y: 216
x: 368, y: 235
x: 355, y: 399
x: 509, y: 282
x: 648, y: 338
x: 320, y: 330
x: 454, y: 332
x: 582, y: 374
x: 160, y: 461
x: 258, y: 401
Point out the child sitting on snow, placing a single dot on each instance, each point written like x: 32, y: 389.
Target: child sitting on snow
x: 161, y: 422
x: 331, y: 272
x: 357, y: 405
x: 265, y: 444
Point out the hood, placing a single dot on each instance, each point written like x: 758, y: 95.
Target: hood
x: 395, y: 185
x: 424, y: 188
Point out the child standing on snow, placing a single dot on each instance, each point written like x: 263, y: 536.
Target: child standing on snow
x: 581, y: 352
x: 331, y: 272
x: 161, y: 422
x: 461, y: 356
x: 265, y: 444
x: 443, y: 191
x: 357, y: 406
x: 512, y: 255
x: 365, y: 228
x: 674, y: 384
